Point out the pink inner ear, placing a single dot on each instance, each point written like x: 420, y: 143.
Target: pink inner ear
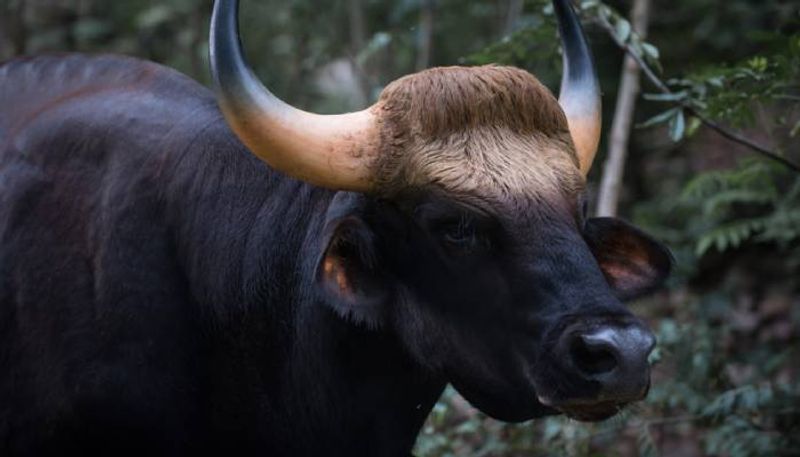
x: 632, y: 262
x: 623, y: 276
x: 334, y: 273
x: 630, y: 273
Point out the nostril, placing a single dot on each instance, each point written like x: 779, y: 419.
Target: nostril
x: 593, y: 357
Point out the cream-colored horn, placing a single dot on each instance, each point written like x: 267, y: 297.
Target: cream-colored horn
x: 580, y: 90
x: 333, y: 151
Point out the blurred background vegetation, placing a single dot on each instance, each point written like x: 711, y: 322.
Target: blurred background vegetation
x: 726, y: 378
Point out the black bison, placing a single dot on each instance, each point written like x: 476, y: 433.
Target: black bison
x: 163, y: 292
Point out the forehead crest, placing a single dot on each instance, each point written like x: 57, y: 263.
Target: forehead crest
x: 441, y: 101
x: 475, y: 131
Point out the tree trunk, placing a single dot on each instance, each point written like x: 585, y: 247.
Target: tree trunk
x: 513, y: 12
x: 614, y: 166
x: 358, y: 34
x: 4, y: 41
x: 199, y: 22
x: 13, y: 29
x: 425, y: 37
x: 358, y: 41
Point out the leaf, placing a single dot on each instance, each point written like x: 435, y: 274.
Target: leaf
x: 721, y: 201
x: 651, y: 51
x: 694, y: 124
x: 729, y: 235
x: 378, y: 42
x: 718, y: 81
x: 659, y: 118
x: 622, y: 30
x: 154, y: 16
x: 91, y: 29
x: 668, y: 97
x: 795, y: 130
x: 645, y: 443
x: 677, y: 126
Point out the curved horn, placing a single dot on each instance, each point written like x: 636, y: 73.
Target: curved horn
x: 580, y: 91
x: 333, y: 151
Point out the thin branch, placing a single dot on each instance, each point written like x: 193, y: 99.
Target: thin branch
x: 614, y: 167
x: 733, y: 136
x: 425, y: 37
x: 513, y: 12
x: 358, y: 42
x: 727, y: 133
x: 793, y: 98
x: 13, y: 22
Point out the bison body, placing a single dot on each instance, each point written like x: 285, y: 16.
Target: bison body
x: 153, y: 283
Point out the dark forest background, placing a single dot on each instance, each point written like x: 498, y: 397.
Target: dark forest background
x: 706, y: 156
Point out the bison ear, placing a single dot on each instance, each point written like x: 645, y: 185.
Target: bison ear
x: 349, y: 271
x: 632, y: 261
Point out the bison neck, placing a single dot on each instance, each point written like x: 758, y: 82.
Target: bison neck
x: 287, y: 374
x: 332, y: 391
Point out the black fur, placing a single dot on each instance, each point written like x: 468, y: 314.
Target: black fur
x: 160, y: 288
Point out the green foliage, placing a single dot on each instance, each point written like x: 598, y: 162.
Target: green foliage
x: 516, y: 49
x: 747, y: 418
x: 769, y: 192
x: 622, y: 31
x: 736, y: 94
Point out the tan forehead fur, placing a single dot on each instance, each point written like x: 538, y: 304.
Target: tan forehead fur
x: 482, y: 133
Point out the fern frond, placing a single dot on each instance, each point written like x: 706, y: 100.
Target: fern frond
x: 722, y: 201
x: 730, y: 235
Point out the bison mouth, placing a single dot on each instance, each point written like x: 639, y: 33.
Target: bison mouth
x: 585, y: 411
x: 591, y: 413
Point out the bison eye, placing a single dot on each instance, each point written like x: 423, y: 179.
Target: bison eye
x: 461, y: 234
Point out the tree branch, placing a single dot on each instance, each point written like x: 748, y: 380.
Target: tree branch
x: 614, y: 167
x: 513, y: 12
x: 725, y: 132
x: 425, y: 35
x: 358, y: 41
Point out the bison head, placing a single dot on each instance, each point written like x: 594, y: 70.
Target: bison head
x: 460, y: 226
